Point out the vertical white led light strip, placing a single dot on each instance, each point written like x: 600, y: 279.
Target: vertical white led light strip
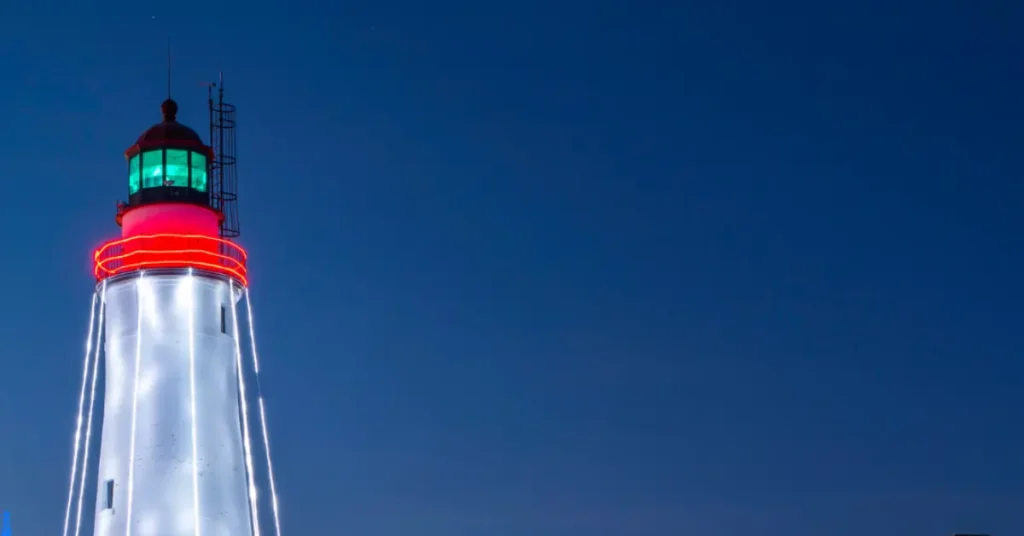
x: 81, y: 407
x: 263, y: 416
x: 135, y: 404
x: 246, y: 435
x: 192, y: 396
x: 92, y: 405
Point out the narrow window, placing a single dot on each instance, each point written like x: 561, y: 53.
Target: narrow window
x: 177, y: 168
x: 153, y: 168
x: 223, y: 319
x: 134, y: 172
x: 198, y: 167
x: 110, y: 495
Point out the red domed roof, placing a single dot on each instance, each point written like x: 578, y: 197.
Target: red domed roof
x: 169, y: 129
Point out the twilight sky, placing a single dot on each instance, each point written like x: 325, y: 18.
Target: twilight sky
x: 563, y: 268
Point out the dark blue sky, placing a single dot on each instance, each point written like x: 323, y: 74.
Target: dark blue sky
x: 560, y: 269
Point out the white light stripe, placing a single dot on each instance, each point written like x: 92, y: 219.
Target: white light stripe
x: 263, y: 417
x: 246, y: 435
x: 92, y: 405
x: 192, y: 397
x: 81, y: 407
x: 270, y: 469
x: 135, y: 404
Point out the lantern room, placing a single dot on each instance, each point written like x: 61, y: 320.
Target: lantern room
x: 169, y: 163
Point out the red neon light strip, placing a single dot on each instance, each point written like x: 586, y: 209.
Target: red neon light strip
x: 223, y: 264
x: 102, y: 263
x: 179, y: 264
x: 123, y: 241
x: 174, y: 263
x: 107, y: 271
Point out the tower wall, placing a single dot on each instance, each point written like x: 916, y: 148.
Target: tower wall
x: 181, y: 316
x: 181, y: 218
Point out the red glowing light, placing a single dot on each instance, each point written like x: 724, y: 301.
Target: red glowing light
x: 167, y: 250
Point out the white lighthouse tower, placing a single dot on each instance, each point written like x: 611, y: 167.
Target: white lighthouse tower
x: 176, y: 449
x: 171, y: 460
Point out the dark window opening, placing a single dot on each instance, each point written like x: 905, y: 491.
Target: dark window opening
x: 223, y: 319
x: 110, y: 495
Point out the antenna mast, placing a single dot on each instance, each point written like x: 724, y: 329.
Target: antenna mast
x: 168, y: 67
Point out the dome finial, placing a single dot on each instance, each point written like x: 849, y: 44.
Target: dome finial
x: 169, y: 109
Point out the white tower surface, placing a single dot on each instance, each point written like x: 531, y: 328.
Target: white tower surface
x: 172, y: 460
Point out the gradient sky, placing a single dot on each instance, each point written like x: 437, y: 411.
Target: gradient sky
x: 563, y: 269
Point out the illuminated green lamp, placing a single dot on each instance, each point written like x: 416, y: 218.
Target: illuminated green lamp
x: 167, y: 167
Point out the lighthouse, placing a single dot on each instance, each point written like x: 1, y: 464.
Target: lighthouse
x: 175, y: 453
